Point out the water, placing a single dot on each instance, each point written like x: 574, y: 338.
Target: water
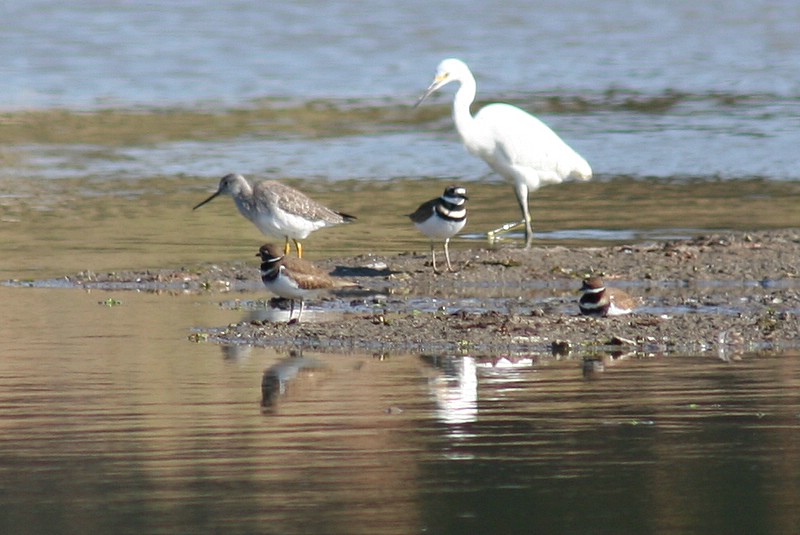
x: 116, y: 421
x: 680, y: 90
x: 117, y: 117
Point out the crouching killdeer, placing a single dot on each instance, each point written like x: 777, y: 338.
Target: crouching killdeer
x: 599, y: 300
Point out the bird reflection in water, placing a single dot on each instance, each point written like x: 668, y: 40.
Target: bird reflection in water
x: 455, y: 388
x: 288, y: 374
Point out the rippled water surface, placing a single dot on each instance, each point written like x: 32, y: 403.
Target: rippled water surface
x: 117, y: 117
x: 115, y: 422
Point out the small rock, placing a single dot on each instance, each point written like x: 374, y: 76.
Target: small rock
x: 620, y: 341
x: 561, y: 347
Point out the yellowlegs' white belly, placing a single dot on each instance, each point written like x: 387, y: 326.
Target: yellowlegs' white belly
x: 281, y: 224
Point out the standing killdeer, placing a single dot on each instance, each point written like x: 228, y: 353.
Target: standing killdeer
x: 294, y: 278
x: 598, y: 300
x: 442, y: 218
x: 515, y: 144
x: 278, y: 210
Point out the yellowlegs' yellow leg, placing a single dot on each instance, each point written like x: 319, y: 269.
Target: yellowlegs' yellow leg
x: 286, y: 246
x: 298, y: 246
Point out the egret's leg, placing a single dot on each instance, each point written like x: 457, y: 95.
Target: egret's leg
x: 521, y: 190
x: 299, y: 247
x: 447, y: 255
x: 494, y: 234
x: 286, y: 247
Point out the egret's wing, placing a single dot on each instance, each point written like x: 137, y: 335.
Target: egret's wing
x: 523, y: 141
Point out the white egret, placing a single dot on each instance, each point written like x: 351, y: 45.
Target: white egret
x: 514, y: 143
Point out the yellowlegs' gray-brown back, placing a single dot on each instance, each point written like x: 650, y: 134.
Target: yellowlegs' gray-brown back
x: 442, y: 218
x: 294, y: 278
x: 599, y: 300
x: 278, y: 210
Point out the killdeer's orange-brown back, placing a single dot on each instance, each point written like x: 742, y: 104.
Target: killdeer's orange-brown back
x: 599, y: 300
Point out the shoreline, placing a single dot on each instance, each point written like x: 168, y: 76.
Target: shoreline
x: 729, y: 293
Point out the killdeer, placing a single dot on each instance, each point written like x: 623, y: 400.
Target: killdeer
x: 294, y: 278
x: 515, y: 144
x: 599, y: 300
x: 278, y: 210
x: 442, y: 218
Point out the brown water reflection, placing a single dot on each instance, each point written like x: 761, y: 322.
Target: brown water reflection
x: 113, y: 421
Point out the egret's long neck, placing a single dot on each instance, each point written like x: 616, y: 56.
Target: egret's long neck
x: 464, y: 98
x: 475, y: 138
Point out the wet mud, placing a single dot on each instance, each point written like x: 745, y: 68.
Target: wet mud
x: 726, y: 293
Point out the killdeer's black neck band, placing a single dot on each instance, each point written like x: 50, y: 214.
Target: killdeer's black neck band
x: 451, y: 211
x: 269, y: 272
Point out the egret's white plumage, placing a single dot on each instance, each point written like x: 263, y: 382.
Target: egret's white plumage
x: 514, y: 143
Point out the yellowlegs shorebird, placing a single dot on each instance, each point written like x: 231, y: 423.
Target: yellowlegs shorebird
x: 278, y: 210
